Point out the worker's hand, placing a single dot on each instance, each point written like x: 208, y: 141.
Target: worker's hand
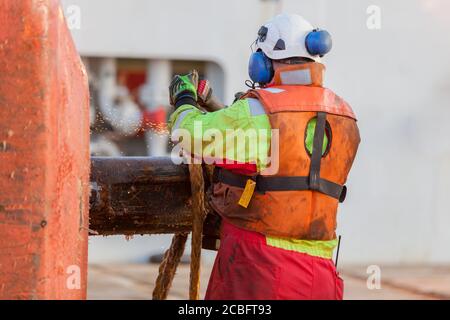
x: 206, y: 98
x: 204, y: 93
x: 183, y: 89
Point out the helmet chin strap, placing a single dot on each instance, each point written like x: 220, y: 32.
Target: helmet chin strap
x: 253, y: 85
x: 250, y: 84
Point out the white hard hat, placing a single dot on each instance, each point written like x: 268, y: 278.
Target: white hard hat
x: 285, y: 37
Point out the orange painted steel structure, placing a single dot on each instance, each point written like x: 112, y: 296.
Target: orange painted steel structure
x: 44, y: 155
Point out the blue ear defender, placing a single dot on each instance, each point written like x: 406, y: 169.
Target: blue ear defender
x: 319, y: 42
x: 260, y: 68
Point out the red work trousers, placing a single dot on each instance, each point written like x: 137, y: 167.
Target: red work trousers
x: 246, y: 268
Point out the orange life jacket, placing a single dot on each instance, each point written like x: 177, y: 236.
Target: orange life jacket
x: 300, y: 200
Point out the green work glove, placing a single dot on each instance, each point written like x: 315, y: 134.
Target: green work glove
x: 183, y: 90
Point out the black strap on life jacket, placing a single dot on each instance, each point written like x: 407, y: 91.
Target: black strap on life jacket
x: 274, y: 183
x: 316, y: 183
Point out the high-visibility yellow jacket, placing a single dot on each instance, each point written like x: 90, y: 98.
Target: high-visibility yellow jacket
x: 245, y: 115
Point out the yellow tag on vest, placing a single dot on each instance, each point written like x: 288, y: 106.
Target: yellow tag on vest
x: 247, y: 194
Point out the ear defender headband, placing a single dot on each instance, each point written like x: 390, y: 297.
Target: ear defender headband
x: 260, y: 67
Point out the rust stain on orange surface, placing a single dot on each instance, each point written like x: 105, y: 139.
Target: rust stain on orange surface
x: 44, y: 153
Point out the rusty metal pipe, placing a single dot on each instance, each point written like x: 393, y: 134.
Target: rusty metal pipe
x: 139, y: 196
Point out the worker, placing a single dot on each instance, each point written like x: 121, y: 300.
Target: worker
x: 278, y: 201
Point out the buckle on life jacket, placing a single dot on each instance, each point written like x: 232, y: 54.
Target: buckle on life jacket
x: 343, y: 195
